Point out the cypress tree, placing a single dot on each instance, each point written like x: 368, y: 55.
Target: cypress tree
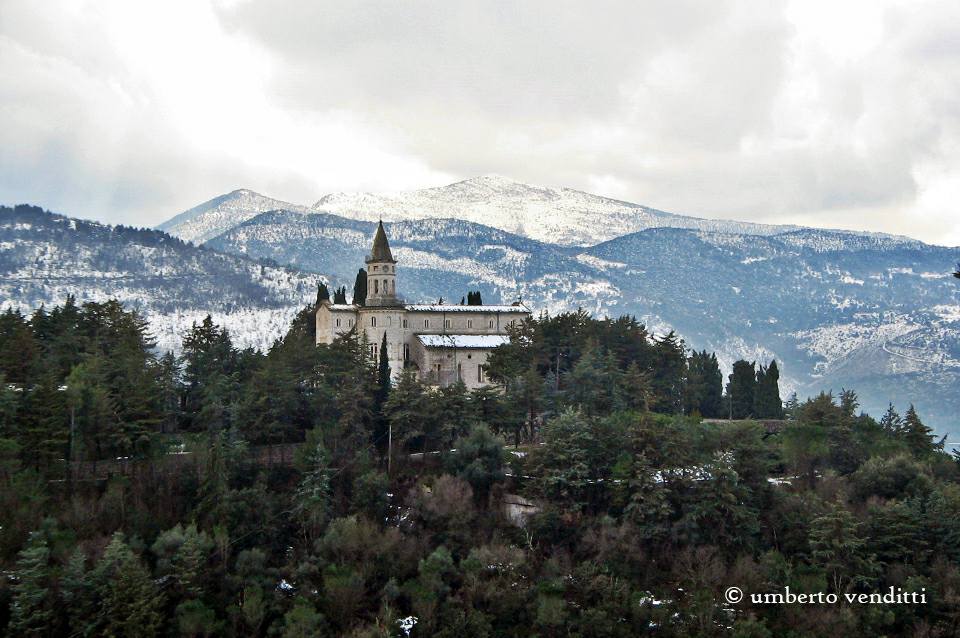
x: 767, y: 403
x: 360, y: 288
x: 741, y: 389
x: 323, y: 293
x: 340, y: 295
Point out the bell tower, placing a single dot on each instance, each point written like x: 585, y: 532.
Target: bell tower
x: 381, y: 272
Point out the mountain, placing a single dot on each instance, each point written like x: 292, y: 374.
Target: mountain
x: 45, y: 257
x: 556, y: 215
x: 875, y: 313
x: 219, y: 214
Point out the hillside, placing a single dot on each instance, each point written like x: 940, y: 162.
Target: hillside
x: 209, y: 219
x: 875, y: 313
x: 45, y: 257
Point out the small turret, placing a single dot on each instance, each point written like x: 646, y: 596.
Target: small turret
x: 381, y: 272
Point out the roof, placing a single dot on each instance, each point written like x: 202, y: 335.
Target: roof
x: 463, y: 341
x: 381, y: 247
x: 458, y: 308
x: 342, y: 306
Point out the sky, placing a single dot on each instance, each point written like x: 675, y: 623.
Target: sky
x: 831, y: 114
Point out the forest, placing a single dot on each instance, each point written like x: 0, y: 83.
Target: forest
x: 599, y: 488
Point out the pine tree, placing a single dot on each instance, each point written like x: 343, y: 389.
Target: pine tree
x: 31, y: 608
x: 891, y: 421
x: 360, y: 288
x: 129, y: 602
x: 77, y: 595
x: 917, y: 436
x: 406, y: 408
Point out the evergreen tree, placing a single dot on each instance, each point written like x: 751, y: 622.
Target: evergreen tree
x: 18, y: 348
x: 32, y: 608
x: 917, y: 436
x: 76, y: 592
x: 323, y: 293
x: 891, y: 421
x: 741, y: 389
x: 340, y: 295
x: 839, y: 548
x: 767, y: 403
x: 360, y: 288
x: 670, y: 368
x: 129, y: 602
x: 406, y: 409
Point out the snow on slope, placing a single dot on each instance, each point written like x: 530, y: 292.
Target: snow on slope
x: 47, y: 257
x: 220, y: 214
x: 556, y: 215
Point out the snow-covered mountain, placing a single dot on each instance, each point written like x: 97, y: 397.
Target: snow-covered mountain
x: 556, y: 215
x: 874, y: 313
x: 220, y: 214
x: 45, y: 257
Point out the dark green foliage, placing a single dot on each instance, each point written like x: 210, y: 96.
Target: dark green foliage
x: 474, y: 298
x: 323, y: 293
x: 741, y: 390
x: 617, y: 494
x: 340, y: 295
x: 766, y: 401
x: 360, y: 288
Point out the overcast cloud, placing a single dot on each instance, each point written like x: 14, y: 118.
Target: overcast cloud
x: 839, y: 114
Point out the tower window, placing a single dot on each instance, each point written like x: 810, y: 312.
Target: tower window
x: 376, y: 268
x: 376, y: 286
x: 373, y: 321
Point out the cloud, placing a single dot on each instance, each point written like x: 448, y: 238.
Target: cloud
x: 795, y: 111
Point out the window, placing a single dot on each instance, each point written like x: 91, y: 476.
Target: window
x: 479, y: 373
x: 404, y: 323
x: 406, y: 352
x: 349, y: 323
x: 446, y: 323
x: 376, y: 286
x: 373, y: 321
x: 338, y: 322
x: 469, y: 323
x: 490, y: 323
x: 459, y: 372
x: 389, y: 321
x: 426, y: 323
x: 376, y: 268
x: 373, y: 351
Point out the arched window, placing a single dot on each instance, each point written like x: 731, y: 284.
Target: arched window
x: 376, y: 286
x: 373, y: 321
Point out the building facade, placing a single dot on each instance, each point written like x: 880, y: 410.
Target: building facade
x: 443, y: 343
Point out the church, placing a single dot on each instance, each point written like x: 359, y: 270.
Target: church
x: 443, y: 343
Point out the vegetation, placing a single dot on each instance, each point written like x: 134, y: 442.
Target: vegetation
x: 229, y: 492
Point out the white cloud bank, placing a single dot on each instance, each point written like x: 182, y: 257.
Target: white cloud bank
x: 820, y: 113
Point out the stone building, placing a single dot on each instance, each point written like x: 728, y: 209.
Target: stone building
x: 442, y: 342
